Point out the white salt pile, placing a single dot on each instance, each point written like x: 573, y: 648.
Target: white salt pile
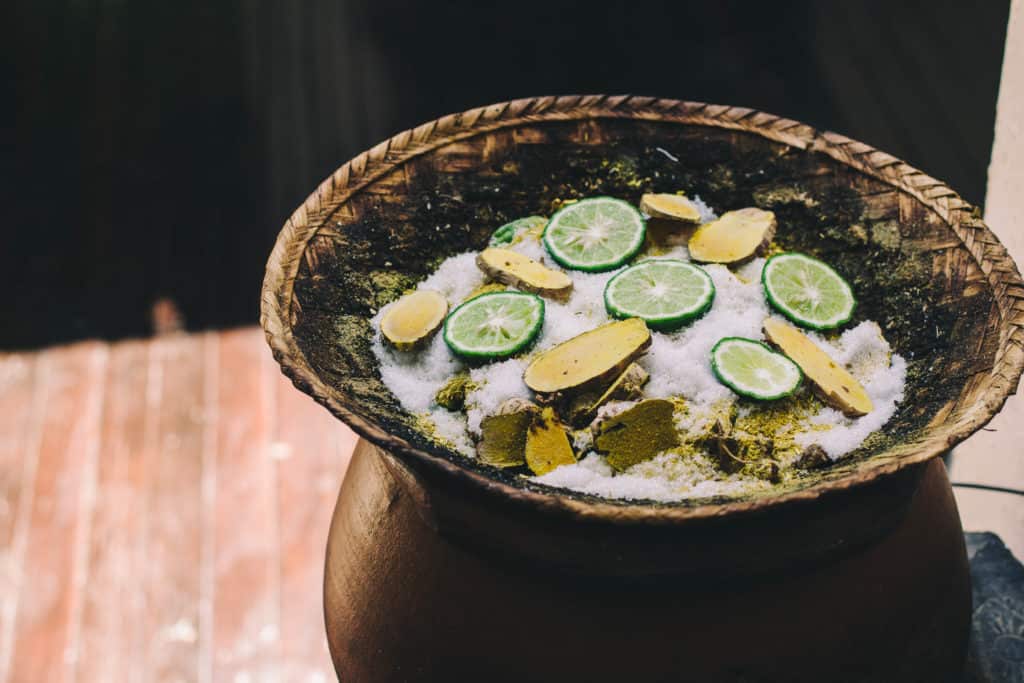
x: 666, y: 477
x: 707, y: 214
x: 865, y: 352
x: 678, y: 363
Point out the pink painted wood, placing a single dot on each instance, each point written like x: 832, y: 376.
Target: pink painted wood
x: 163, y: 512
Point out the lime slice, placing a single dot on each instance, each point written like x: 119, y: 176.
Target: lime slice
x: 495, y: 325
x: 807, y: 291
x: 596, y: 234
x: 664, y: 293
x: 753, y: 370
x: 506, y: 234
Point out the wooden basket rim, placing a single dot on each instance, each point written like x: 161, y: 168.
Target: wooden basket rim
x: 990, y: 255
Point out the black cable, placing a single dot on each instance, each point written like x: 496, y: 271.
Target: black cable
x: 986, y: 487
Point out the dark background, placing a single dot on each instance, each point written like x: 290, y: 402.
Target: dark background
x: 154, y: 149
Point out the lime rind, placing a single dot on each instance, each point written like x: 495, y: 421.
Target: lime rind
x: 574, y: 217
x: 665, y: 293
x: 494, y: 325
x: 770, y: 375
x: 507, y: 233
x: 829, y: 281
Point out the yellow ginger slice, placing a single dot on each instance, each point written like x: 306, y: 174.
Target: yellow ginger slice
x: 452, y: 396
x: 503, y: 435
x: 672, y: 207
x: 485, y: 288
x: 638, y: 433
x: 547, y: 443
x: 736, y: 237
x: 831, y: 382
x: 413, y: 319
x: 588, y: 359
x: 522, y: 272
x: 627, y: 387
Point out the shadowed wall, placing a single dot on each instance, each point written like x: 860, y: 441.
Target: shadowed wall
x: 158, y: 149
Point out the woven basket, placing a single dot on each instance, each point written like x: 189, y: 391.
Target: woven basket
x: 923, y: 263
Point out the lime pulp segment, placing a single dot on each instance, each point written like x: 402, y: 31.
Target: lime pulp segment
x: 807, y: 291
x: 664, y: 293
x: 753, y: 370
x: 596, y: 234
x: 494, y: 325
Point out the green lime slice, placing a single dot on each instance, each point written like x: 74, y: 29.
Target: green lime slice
x: 495, y: 325
x: 807, y: 291
x: 507, y: 233
x: 664, y: 293
x: 596, y: 234
x: 753, y: 370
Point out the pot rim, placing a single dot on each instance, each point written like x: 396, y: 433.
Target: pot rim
x: 277, y: 316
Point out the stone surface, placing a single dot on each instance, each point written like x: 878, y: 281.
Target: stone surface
x: 996, y: 651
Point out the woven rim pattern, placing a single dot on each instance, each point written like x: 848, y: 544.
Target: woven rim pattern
x: 276, y: 314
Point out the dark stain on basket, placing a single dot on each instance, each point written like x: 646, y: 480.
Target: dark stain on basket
x: 909, y: 272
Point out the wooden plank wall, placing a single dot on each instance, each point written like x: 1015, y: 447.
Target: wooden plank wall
x: 163, y: 512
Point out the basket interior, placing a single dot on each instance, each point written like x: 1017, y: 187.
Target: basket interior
x: 911, y: 272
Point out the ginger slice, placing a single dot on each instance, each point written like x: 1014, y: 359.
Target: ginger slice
x: 588, y: 359
x: 672, y: 207
x: 734, y: 238
x: 833, y: 384
x: 486, y: 288
x: 636, y: 434
x: 452, y: 396
x: 503, y: 435
x: 522, y: 272
x: 628, y: 386
x: 413, y: 319
x: 547, y: 443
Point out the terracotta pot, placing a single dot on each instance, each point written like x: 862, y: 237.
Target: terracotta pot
x: 426, y: 581
x: 441, y: 568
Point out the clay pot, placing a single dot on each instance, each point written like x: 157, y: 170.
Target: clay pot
x: 442, y: 568
x: 426, y: 581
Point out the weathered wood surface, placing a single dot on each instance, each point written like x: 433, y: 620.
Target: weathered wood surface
x: 163, y: 513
